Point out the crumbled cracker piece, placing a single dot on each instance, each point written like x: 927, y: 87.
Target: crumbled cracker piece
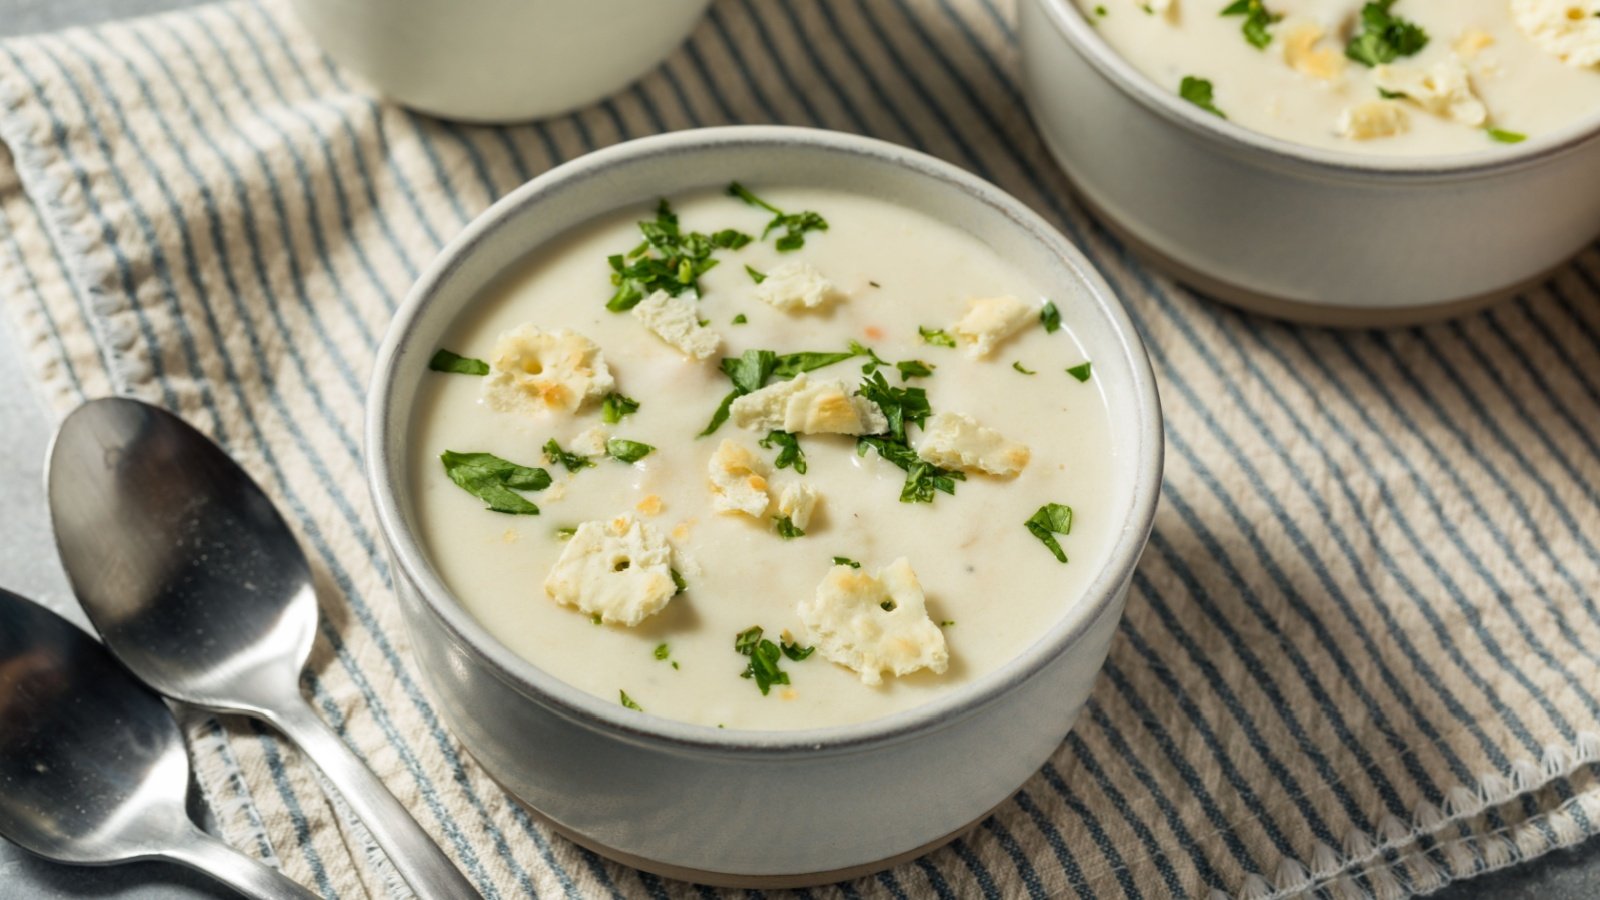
x: 620, y: 570
x: 794, y: 286
x: 589, y: 442
x: 1373, y: 119
x: 803, y: 406
x: 738, y: 480
x: 676, y: 320
x: 1301, y: 52
x: 798, y: 501
x: 990, y: 321
x: 847, y: 622
x: 1444, y: 89
x: 534, y: 370
x: 954, y: 441
x: 1569, y: 30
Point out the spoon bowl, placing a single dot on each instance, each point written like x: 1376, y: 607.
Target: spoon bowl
x: 92, y: 765
x: 199, y: 587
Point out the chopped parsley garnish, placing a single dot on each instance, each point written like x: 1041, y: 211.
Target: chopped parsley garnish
x: 755, y: 275
x: 764, y: 656
x: 1256, y: 20
x: 495, y: 481
x: 740, y: 319
x: 1051, y: 519
x: 922, y: 478
x: 914, y: 368
x: 1383, y: 37
x: 625, y: 700
x: 1392, y: 95
x: 446, y: 361
x: 595, y: 618
x: 935, y: 336
x: 902, y: 406
x: 751, y: 371
x: 846, y: 561
x: 615, y: 406
x: 667, y: 260
x: 558, y: 456
x: 678, y: 582
x: 1506, y: 137
x: 565, y: 533
x: 1080, y: 372
x: 888, y: 606
x: 1050, y: 318
x: 874, y: 361
x: 946, y: 623
x: 794, y: 225
x: 786, y: 528
x: 789, y: 452
x: 662, y: 651
x: 627, y: 451
x: 1198, y: 91
x: 1023, y: 369
x: 797, y: 652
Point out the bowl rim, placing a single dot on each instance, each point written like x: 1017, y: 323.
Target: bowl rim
x: 411, y: 562
x: 1070, y: 22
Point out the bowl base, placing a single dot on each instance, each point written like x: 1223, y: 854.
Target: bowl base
x: 1299, y: 311
x: 733, y: 879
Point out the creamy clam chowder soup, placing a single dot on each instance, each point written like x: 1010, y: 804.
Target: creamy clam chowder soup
x: 771, y: 460
x: 1401, y: 77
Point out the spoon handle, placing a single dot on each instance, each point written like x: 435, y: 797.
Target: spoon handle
x: 204, y: 853
x: 415, y: 856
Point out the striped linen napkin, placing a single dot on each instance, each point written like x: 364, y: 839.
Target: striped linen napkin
x: 1359, y: 655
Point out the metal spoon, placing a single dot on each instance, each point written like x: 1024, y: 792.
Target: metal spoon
x: 197, y: 585
x: 92, y: 765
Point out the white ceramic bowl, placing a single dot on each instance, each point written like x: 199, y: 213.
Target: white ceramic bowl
x: 1292, y: 230
x: 679, y: 799
x: 498, y: 60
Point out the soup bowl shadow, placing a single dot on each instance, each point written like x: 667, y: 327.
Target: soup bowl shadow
x: 740, y: 807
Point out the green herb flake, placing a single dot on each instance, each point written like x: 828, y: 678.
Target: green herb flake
x: 789, y: 452
x: 595, y: 618
x: 922, y: 478
x: 1198, y: 91
x: 1502, y: 136
x: 888, y: 606
x: 565, y: 533
x: 572, y: 461
x: 625, y: 700
x: 1051, y: 519
x: 1384, y: 37
x: 446, y: 361
x: 1023, y: 369
x: 627, y: 451
x: 1100, y: 10
x: 914, y: 368
x: 495, y: 481
x: 667, y: 260
x: 1050, y: 318
x: 678, y: 583
x: 764, y: 656
x: 946, y: 623
x: 874, y: 361
x: 755, y: 275
x: 662, y: 651
x: 786, y: 528
x: 615, y: 406
x: 935, y: 336
x: 1256, y: 20
x: 902, y: 406
x: 740, y: 319
x: 846, y: 561
x: 1392, y: 95
x: 1080, y: 372
x: 794, y: 225
x: 796, y: 652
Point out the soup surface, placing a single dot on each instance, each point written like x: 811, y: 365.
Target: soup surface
x: 1396, y: 77
x: 992, y: 583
